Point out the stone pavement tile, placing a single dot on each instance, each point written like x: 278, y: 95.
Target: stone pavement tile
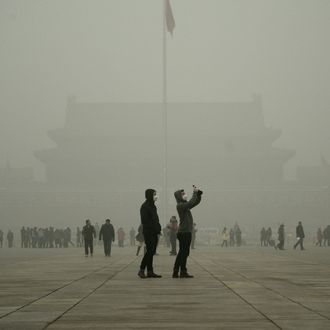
x: 303, y: 324
x: 23, y: 316
x: 169, y: 324
x: 21, y: 325
x: 141, y: 315
x: 127, y: 302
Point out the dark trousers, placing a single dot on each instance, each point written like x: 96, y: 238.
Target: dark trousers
x: 300, y: 242
x: 173, y: 242
x: 107, y: 247
x: 184, y: 249
x: 224, y: 242
x: 280, y: 245
x: 151, y: 241
x: 88, y: 244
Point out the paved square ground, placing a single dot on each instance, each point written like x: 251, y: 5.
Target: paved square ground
x: 233, y: 288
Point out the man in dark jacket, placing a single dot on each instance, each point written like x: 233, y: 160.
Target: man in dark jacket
x: 281, y: 237
x: 10, y: 239
x: 89, y: 233
x: 107, y: 232
x: 300, y: 236
x: 151, y: 230
x: 185, y: 229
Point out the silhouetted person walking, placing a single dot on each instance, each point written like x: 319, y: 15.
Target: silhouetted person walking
x: 151, y: 230
x: 185, y: 229
x: 225, y: 237
x: 319, y: 236
x: 132, y: 236
x: 300, y: 236
x: 268, y: 237
x: 1, y: 238
x: 238, y: 235
x: 326, y: 236
x: 10, y: 239
x: 263, y: 237
x: 121, y: 237
x: 281, y: 237
x: 140, y: 239
x: 173, y: 234
x: 231, y: 237
x: 107, y: 232
x: 89, y: 234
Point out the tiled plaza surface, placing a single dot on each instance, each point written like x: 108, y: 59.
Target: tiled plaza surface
x: 234, y: 288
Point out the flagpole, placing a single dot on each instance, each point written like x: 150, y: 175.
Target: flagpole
x: 164, y: 106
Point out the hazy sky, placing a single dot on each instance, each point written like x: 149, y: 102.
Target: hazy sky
x: 111, y: 50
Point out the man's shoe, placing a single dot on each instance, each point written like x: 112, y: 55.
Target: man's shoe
x: 175, y: 274
x: 153, y: 275
x: 186, y: 275
x: 141, y: 274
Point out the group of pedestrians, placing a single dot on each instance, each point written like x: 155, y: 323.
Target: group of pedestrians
x: 46, y: 237
x: 38, y: 237
x: 9, y: 237
x: 323, y: 237
x: 231, y: 237
x: 106, y: 234
x: 266, y: 238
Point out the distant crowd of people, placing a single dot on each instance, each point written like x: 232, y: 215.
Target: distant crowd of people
x: 323, y: 236
x: 266, y: 238
x: 48, y: 237
x: 9, y: 237
x: 170, y: 232
x: 231, y: 237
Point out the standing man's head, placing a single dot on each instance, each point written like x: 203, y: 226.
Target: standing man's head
x: 88, y: 222
x: 299, y: 222
x: 180, y: 196
x: 107, y: 221
x: 151, y: 195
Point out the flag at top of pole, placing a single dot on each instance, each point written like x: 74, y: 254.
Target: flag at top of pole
x: 169, y: 18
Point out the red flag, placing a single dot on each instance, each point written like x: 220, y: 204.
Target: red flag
x: 170, y: 22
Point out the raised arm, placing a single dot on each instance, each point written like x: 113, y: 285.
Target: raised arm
x: 195, y: 200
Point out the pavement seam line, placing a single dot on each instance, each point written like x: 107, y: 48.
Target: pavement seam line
x: 53, y: 291
x: 89, y: 294
x: 238, y: 295
x: 276, y: 292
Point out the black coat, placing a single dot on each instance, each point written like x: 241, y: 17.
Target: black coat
x: 88, y: 232
x: 149, y: 216
x: 139, y: 237
x: 281, y: 233
x: 300, y: 231
x: 107, y: 232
